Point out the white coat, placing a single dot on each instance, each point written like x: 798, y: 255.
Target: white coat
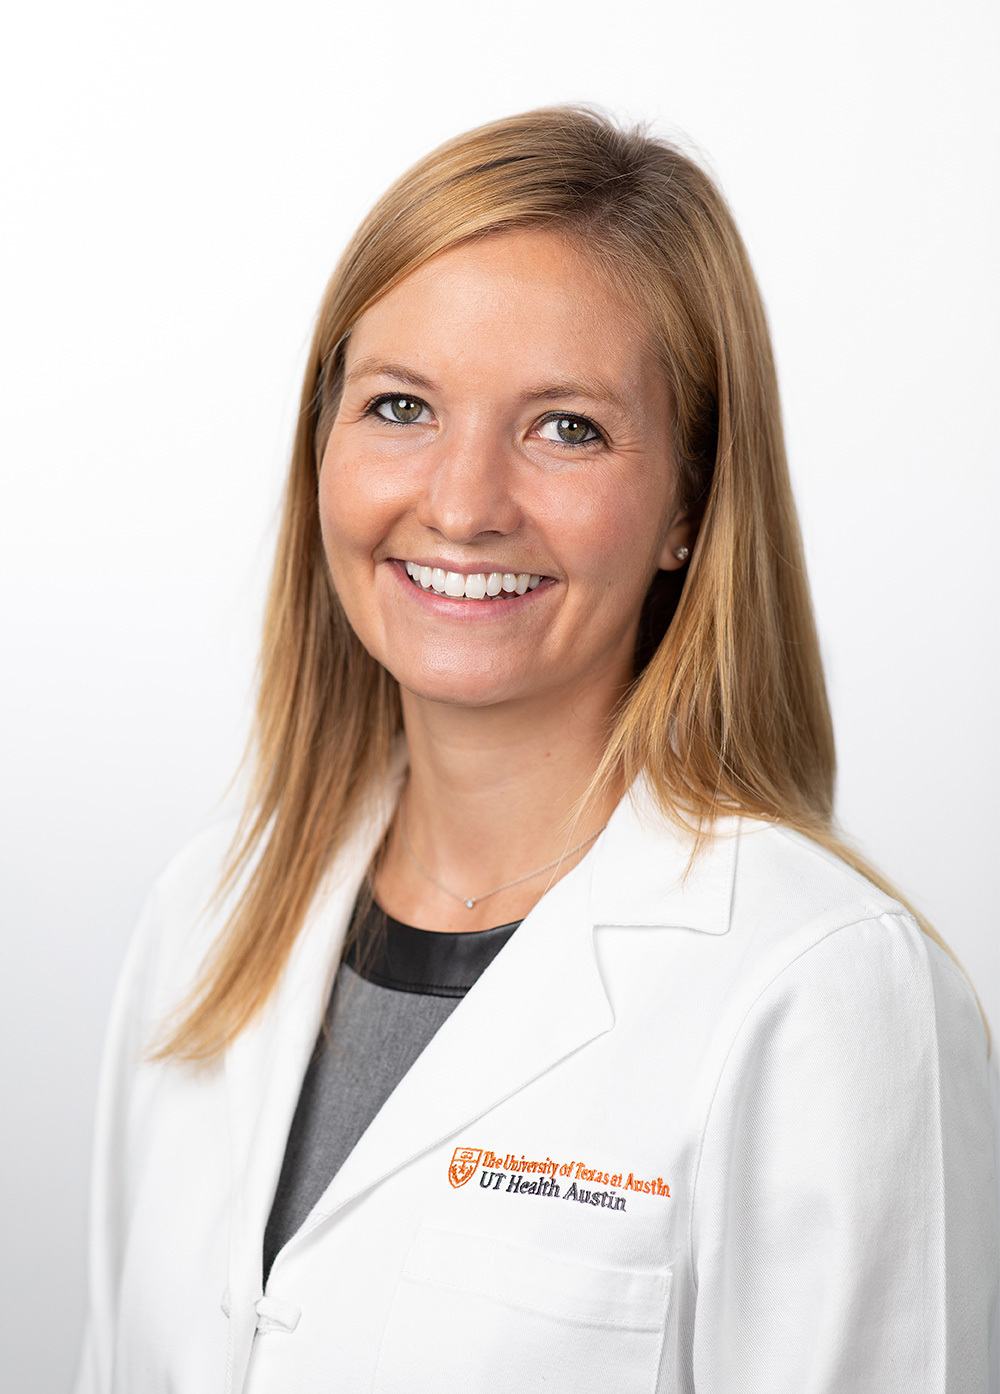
x: 728, y: 1134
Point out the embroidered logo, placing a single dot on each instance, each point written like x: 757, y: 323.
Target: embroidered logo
x: 506, y: 1172
x: 463, y: 1165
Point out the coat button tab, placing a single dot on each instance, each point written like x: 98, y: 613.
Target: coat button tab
x: 275, y: 1315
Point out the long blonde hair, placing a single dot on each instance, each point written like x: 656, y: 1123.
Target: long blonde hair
x: 728, y: 712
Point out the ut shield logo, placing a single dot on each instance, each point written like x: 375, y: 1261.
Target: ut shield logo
x: 463, y: 1165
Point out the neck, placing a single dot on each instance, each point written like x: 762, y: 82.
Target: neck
x: 492, y: 795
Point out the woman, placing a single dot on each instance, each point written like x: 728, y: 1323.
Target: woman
x: 542, y: 1034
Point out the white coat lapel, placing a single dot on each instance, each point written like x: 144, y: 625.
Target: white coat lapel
x: 540, y: 999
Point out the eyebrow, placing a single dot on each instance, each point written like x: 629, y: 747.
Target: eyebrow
x: 372, y: 367
x: 595, y: 390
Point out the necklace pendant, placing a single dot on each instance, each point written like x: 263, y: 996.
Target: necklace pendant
x: 470, y: 902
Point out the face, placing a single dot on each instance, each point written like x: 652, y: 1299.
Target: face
x: 497, y: 490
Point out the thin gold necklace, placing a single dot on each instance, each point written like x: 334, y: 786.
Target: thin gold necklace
x: 471, y: 901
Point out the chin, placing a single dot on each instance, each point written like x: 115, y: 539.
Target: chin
x: 463, y: 685
x: 460, y: 693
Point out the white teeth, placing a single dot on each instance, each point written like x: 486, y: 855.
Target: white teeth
x: 475, y: 586
x: 479, y: 586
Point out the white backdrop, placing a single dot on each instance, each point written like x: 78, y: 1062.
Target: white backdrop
x: 182, y: 179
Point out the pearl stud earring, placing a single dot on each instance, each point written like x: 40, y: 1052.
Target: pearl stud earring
x: 682, y: 553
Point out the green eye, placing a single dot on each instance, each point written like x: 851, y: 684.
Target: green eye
x: 400, y: 408
x: 574, y: 430
x: 570, y: 430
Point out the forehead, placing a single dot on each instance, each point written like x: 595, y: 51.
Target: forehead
x: 528, y: 304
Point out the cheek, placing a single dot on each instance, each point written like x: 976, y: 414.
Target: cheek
x: 609, y: 537
x: 350, y: 532
x: 352, y: 515
x: 333, y: 526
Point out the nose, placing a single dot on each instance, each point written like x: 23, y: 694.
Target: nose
x: 468, y: 490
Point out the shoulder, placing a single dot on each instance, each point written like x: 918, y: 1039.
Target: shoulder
x: 785, y: 882
x: 826, y: 945
x: 835, y: 1009
x: 796, y: 899
x: 190, y: 878
x: 776, y: 914
x: 741, y: 877
x: 180, y: 920
x: 193, y: 900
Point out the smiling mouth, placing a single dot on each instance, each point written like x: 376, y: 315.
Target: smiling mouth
x: 481, y: 585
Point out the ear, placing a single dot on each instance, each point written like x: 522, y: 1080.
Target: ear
x: 682, y: 533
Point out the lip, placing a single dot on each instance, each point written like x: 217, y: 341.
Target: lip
x: 459, y: 608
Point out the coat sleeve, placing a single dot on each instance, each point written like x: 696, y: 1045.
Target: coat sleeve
x: 125, y: 1041
x: 844, y: 1221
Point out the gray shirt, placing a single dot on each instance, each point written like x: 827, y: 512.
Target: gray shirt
x: 395, y: 987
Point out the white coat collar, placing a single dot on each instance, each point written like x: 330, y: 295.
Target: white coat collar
x: 644, y: 873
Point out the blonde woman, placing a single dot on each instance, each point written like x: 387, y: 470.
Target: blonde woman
x: 534, y: 1030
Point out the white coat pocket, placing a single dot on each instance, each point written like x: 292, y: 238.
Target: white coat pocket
x: 473, y: 1315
